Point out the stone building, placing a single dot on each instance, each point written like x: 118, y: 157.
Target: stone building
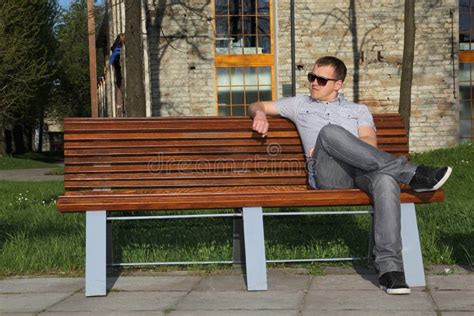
x: 212, y: 57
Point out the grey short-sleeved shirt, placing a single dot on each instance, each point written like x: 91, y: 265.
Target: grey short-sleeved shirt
x: 310, y: 116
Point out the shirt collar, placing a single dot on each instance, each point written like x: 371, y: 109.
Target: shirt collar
x: 338, y: 100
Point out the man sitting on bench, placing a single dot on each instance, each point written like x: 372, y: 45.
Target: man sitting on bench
x: 340, y: 144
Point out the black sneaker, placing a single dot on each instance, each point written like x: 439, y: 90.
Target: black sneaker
x: 394, y: 283
x: 429, y: 178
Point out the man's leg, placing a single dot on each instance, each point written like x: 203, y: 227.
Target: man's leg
x: 344, y: 146
x: 385, y: 193
x: 388, y: 263
x: 325, y: 172
x: 379, y: 174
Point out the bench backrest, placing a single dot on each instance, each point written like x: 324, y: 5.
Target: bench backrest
x: 192, y: 152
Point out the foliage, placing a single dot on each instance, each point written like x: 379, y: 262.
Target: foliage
x: 27, y: 49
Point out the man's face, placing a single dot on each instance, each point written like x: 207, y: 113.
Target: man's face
x: 328, y: 92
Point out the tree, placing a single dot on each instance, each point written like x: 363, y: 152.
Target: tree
x: 72, y: 89
x: 134, y: 89
x: 26, y: 64
x: 407, y: 63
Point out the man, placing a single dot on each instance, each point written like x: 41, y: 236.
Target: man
x: 340, y: 144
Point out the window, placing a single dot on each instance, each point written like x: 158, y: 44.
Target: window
x: 243, y: 54
x: 466, y: 69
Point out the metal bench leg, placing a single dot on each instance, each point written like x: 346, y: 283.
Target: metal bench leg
x: 255, y: 262
x: 238, y: 250
x: 412, y: 259
x: 96, y: 253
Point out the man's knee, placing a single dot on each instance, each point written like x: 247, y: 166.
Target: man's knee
x: 331, y: 132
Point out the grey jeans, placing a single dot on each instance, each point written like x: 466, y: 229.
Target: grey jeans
x: 341, y: 160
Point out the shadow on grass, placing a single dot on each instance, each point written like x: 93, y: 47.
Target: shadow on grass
x: 210, y: 239
x: 46, y: 157
x: 462, y: 245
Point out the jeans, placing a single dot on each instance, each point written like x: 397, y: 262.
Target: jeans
x: 341, y: 161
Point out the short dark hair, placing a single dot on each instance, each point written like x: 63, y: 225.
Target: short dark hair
x: 339, y: 67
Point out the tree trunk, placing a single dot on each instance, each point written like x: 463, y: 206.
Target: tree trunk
x: 3, y: 142
x: 407, y: 64
x: 40, y: 133
x: 19, y: 140
x: 134, y: 88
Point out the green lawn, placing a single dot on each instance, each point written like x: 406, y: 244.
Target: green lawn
x: 30, y: 160
x: 36, y: 239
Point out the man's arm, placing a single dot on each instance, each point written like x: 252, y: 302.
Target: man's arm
x: 367, y: 134
x: 259, y: 111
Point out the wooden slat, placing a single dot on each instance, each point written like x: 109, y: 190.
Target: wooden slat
x: 189, y: 174
x: 203, y: 201
x: 155, y: 159
x: 189, y: 150
x: 182, y: 182
x: 158, y: 143
x: 202, y: 166
x: 174, y: 135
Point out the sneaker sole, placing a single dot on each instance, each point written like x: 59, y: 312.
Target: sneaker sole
x: 440, y: 182
x: 404, y: 291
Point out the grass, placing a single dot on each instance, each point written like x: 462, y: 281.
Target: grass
x: 30, y: 161
x: 36, y: 239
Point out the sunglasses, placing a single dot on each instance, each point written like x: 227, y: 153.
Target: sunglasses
x: 321, y: 80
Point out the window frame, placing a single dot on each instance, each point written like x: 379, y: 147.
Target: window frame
x: 245, y: 60
x: 467, y: 57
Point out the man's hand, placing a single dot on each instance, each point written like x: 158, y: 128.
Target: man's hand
x: 259, y: 111
x: 368, y: 135
x: 260, y: 123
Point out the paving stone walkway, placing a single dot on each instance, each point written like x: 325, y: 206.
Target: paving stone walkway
x: 35, y: 174
x: 290, y: 293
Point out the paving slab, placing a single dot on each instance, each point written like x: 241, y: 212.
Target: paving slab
x: 242, y: 300
x: 368, y: 313
x: 41, y: 285
x: 277, y: 281
x: 345, y: 282
x: 29, y: 302
x: 120, y: 301
x: 454, y: 300
x: 31, y: 175
x: 104, y: 313
x: 324, y: 300
x: 222, y: 283
x: 450, y: 282
x: 234, y: 313
x: 154, y: 283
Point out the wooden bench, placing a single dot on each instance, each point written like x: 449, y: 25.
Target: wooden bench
x: 145, y: 164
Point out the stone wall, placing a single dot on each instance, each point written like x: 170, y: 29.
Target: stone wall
x: 181, y: 40
x: 367, y: 35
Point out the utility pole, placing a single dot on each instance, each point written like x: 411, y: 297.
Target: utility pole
x: 92, y: 57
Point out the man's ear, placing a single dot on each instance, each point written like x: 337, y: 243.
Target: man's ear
x: 338, y: 85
